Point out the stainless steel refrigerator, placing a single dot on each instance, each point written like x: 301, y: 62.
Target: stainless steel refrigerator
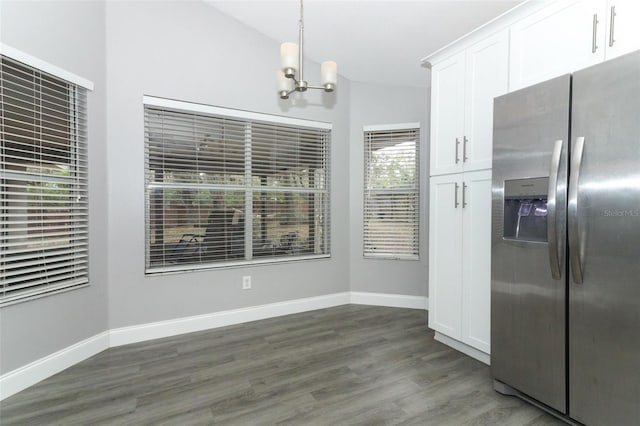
x: 565, y: 268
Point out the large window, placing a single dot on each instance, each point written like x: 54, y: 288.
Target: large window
x: 228, y: 187
x: 43, y: 183
x: 391, y: 191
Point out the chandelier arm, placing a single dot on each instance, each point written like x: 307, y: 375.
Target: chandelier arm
x: 295, y: 81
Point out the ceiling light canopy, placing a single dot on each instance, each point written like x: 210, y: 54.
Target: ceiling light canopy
x: 291, y: 77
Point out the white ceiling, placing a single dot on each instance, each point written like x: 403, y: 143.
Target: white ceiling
x: 373, y: 41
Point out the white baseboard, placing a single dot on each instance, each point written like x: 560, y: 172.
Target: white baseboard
x: 465, y: 349
x: 156, y: 330
x: 390, y: 300
x: 32, y: 373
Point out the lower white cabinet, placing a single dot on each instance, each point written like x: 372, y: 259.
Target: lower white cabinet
x: 460, y: 257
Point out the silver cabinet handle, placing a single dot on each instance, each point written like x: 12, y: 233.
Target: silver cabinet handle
x: 455, y: 202
x: 611, y: 27
x: 457, y: 145
x: 464, y: 149
x: 594, y: 44
x: 574, y: 237
x: 464, y: 195
x: 552, y: 225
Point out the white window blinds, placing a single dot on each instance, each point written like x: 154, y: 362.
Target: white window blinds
x: 43, y: 183
x: 227, y: 187
x: 391, y: 191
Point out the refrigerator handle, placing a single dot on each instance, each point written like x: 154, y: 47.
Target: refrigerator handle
x: 552, y: 221
x: 574, y: 238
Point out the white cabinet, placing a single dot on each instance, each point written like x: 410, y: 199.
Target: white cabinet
x: 445, y: 255
x: 447, y: 114
x: 476, y: 260
x: 487, y: 76
x: 623, y: 31
x: 570, y: 35
x: 463, y: 88
x: 459, y: 257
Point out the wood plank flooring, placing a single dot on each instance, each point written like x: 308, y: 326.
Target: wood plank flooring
x: 351, y: 364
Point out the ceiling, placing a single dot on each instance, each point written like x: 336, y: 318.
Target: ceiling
x: 373, y: 41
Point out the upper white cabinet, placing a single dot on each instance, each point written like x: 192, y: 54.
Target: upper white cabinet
x: 487, y: 76
x: 447, y: 115
x: 463, y: 88
x: 570, y: 35
x: 623, y: 32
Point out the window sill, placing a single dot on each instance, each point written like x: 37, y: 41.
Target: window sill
x: 233, y: 264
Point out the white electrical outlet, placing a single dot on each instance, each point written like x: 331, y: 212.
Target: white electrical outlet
x: 246, y: 282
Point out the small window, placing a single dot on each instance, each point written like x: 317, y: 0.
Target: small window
x: 227, y: 187
x: 43, y: 183
x: 391, y: 191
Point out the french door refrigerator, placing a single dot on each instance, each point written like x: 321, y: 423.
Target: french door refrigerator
x: 565, y: 273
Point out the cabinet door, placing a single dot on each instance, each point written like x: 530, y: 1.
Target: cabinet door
x: 447, y: 109
x: 445, y: 252
x: 623, y: 29
x: 564, y: 37
x: 486, y: 77
x: 476, y: 260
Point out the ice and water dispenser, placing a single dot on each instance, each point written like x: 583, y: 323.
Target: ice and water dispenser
x: 525, y: 209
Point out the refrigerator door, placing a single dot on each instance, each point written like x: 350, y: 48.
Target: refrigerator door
x: 528, y: 262
x: 604, y: 234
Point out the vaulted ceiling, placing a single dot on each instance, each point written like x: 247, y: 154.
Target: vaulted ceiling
x: 373, y: 41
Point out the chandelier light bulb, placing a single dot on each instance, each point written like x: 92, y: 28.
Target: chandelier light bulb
x: 329, y: 75
x: 285, y: 85
x: 289, y: 58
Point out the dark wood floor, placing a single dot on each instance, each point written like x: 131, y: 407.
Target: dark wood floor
x: 351, y: 364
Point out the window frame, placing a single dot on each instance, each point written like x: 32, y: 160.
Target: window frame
x: 78, y: 139
x: 388, y: 128
x: 247, y: 187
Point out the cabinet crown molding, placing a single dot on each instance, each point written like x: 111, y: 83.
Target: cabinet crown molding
x: 498, y: 23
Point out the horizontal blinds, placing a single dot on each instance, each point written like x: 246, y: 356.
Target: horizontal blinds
x: 391, y: 193
x: 223, y: 190
x: 43, y: 183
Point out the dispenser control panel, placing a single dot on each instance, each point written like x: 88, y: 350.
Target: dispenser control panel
x: 525, y: 209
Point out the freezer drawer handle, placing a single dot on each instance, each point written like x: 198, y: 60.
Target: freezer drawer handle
x: 594, y: 43
x: 574, y: 237
x: 552, y: 225
x: 457, y: 149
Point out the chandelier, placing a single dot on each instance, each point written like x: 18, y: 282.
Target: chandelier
x: 291, y: 77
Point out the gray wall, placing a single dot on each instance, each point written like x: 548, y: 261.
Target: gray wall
x: 372, y: 105
x: 69, y: 35
x: 190, y: 51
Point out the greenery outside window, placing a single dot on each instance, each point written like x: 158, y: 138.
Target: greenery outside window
x: 43, y: 181
x: 227, y: 187
x: 391, y: 191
